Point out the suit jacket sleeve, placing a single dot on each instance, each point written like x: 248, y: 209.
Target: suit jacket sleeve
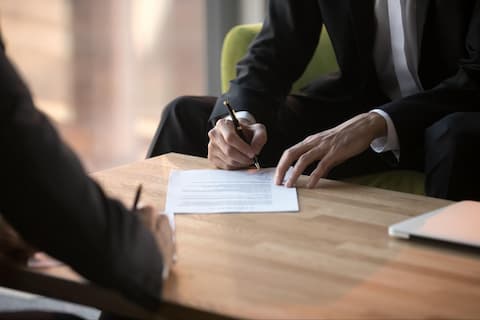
x: 413, y: 114
x: 48, y: 198
x: 277, y: 57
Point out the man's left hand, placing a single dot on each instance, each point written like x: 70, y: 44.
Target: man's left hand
x: 330, y: 148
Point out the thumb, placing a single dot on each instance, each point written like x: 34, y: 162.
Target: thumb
x: 147, y: 216
x: 259, y: 138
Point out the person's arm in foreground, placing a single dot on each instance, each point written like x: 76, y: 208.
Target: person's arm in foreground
x: 48, y: 198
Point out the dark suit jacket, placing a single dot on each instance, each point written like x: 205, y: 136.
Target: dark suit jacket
x: 449, y: 66
x: 49, y: 199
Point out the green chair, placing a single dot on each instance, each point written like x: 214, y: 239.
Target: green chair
x: 235, y: 46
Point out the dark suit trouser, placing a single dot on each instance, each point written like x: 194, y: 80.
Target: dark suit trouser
x: 452, y: 157
x: 449, y: 159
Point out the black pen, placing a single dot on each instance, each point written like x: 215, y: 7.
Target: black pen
x: 137, y: 197
x: 238, y: 129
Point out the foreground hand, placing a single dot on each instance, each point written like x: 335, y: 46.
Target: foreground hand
x: 12, y: 246
x: 159, y: 225
x: 330, y: 147
x: 226, y: 150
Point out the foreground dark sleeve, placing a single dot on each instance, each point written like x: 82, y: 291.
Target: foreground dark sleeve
x: 460, y: 93
x: 277, y: 57
x: 48, y: 198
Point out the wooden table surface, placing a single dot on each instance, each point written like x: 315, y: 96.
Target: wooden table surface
x: 333, y: 259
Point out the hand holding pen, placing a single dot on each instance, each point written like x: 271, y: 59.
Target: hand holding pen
x: 226, y: 147
x: 239, y: 129
x: 161, y: 229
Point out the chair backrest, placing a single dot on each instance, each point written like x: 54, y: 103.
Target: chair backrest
x: 238, y: 39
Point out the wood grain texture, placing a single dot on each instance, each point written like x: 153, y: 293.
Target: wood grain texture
x: 333, y: 259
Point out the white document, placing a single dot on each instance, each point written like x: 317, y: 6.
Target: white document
x: 213, y: 191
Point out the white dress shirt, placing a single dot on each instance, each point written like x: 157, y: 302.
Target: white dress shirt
x: 396, y: 57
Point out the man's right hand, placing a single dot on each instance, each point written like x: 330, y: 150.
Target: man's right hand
x: 159, y: 225
x: 226, y: 150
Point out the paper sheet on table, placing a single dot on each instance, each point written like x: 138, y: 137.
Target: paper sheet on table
x: 214, y: 191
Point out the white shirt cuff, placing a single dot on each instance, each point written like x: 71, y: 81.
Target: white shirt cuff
x: 388, y: 142
x: 243, y: 115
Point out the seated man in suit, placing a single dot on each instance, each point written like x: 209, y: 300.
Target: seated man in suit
x: 50, y: 201
x: 408, y: 84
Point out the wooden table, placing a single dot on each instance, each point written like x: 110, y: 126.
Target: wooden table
x: 333, y: 259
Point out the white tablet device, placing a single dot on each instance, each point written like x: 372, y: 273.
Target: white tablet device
x: 458, y: 223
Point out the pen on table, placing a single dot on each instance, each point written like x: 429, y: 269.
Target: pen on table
x: 137, y: 197
x: 238, y: 129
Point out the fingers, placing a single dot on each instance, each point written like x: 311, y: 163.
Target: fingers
x: 165, y: 228
x: 148, y: 216
x: 330, y: 147
x: 221, y: 161
x: 161, y: 228
x: 287, y: 159
x: 166, y: 242
x: 227, y: 150
x: 228, y: 156
x: 283, y: 164
x: 304, y: 153
x: 259, y: 138
x: 303, y: 162
x: 322, y: 169
x: 227, y: 131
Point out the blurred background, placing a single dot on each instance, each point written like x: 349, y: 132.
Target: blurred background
x: 104, y: 70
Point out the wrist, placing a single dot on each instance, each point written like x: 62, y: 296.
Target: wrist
x: 377, y: 124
